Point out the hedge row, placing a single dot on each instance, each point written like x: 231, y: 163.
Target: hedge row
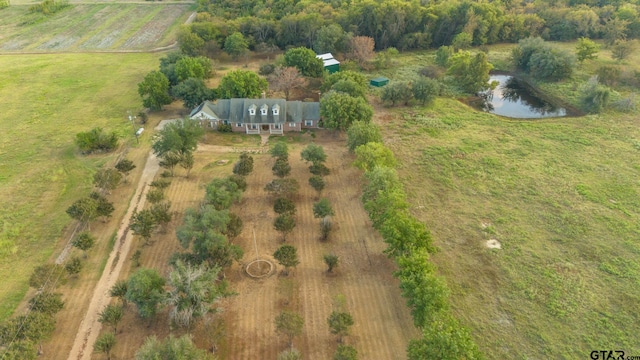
x: 409, y: 244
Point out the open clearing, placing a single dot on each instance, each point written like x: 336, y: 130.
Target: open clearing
x: 45, y: 101
x: 92, y: 27
x: 362, y: 284
x: 562, y: 198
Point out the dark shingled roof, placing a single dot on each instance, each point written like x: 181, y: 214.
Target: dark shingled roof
x: 237, y: 110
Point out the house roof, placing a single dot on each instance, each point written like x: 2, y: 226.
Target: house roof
x: 331, y: 62
x: 326, y: 56
x: 259, y: 111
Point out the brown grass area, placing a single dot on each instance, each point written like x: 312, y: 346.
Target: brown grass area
x: 383, y: 325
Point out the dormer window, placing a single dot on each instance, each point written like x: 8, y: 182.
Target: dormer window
x: 252, y: 109
x: 276, y: 109
x: 264, y: 109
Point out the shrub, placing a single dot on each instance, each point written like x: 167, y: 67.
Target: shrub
x: 432, y: 72
x: 4, y: 4
x: 608, y: 75
x: 443, y: 54
x: 48, y: 7
x: 540, y: 60
x: 96, y: 140
x: 224, y: 128
x: 266, y: 69
x: 594, y: 97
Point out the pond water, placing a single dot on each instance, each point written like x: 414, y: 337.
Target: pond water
x: 515, y: 98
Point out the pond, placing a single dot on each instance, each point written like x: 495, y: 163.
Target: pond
x: 514, y: 98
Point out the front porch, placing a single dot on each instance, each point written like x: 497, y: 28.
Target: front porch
x: 257, y: 129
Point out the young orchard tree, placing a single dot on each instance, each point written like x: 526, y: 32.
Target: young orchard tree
x: 325, y: 228
x: 319, y: 169
x: 317, y: 182
x: 285, y: 224
x: 283, y: 187
x: 155, y: 196
x: 125, y: 166
x: 143, y: 224
x: 286, y: 79
x: 332, y: 261
x: 162, y: 214
x: 313, y: 154
x: 111, y: 315
x: 119, y: 290
x: 104, y: 207
x: 169, y: 160
x: 84, y: 241
x: 281, y: 168
x: 340, y: 324
x: 105, y: 344
x: 145, y: 288
x: 239, y: 181
x: 160, y: 184
x: 284, y: 206
x: 289, y: 324
x: 187, y: 162
x: 280, y: 150
x: 84, y: 210
x: 287, y: 256
x: 322, y: 208
x: 46, y: 302
x: 345, y: 352
x: 42, y: 275
x: 290, y: 354
x: 222, y: 193
x: 244, y: 166
x: 73, y: 266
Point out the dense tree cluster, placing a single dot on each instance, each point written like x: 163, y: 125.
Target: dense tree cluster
x: 330, y: 26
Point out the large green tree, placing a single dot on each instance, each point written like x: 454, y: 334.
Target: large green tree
x: 180, y: 137
x: 586, y: 49
x: 339, y: 110
x: 241, y: 84
x: 305, y: 60
x: 360, y: 133
x: 289, y: 324
x: 193, y: 67
x: 112, y: 315
x: 471, y: 73
x: 154, y: 90
x: 193, y: 290
x: 222, y: 193
x: 373, y: 154
x: 192, y: 91
x: 236, y: 45
x: 145, y: 288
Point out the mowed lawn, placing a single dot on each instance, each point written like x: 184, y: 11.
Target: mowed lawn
x: 44, y: 101
x: 562, y: 196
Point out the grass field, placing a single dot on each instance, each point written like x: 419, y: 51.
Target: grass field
x: 92, y: 27
x: 561, y: 196
x: 45, y: 101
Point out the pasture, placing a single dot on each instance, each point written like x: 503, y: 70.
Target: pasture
x: 562, y: 198
x: 45, y: 101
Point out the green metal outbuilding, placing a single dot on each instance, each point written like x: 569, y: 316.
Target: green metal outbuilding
x: 379, y: 81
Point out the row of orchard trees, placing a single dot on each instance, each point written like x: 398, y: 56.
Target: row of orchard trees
x: 20, y: 336
x: 409, y: 244
x: 328, y: 26
x: 196, y: 282
x: 288, y: 322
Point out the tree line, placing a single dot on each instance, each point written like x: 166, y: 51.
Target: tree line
x: 328, y: 26
x: 409, y: 243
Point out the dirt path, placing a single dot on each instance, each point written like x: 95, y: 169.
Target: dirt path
x: 90, y: 327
